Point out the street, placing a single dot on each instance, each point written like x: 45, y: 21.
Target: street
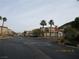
x: 35, y: 48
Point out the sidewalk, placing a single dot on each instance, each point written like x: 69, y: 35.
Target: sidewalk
x: 7, y: 37
x: 72, y: 46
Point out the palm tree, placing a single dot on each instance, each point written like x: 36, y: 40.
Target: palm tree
x: 24, y: 33
x: 0, y: 19
x: 51, y: 23
x: 4, y: 20
x: 43, y: 23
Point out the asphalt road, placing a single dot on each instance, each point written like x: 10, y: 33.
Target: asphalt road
x: 35, y: 48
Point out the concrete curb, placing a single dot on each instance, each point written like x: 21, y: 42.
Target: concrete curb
x: 72, y: 46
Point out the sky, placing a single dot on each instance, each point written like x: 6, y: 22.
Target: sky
x: 27, y: 14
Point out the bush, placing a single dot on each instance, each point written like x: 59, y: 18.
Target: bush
x: 70, y: 35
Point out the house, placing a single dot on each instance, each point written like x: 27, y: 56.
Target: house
x: 27, y: 33
x: 55, y: 32
x: 5, y: 31
x: 11, y: 32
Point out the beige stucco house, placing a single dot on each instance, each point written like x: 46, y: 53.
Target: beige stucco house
x: 55, y: 32
x: 6, y: 31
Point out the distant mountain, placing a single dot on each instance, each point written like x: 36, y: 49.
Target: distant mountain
x: 71, y: 32
x: 73, y: 24
x: 69, y: 24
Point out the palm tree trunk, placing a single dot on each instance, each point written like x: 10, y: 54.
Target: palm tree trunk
x: 50, y: 30
x: 43, y: 31
x: 2, y: 28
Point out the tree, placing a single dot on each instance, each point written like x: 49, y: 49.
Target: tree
x: 0, y: 17
x: 75, y: 23
x: 36, y: 32
x: 43, y: 23
x: 4, y: 20
x: 70, y: 34
x: 24, y: 33
x: 77, y: 0
x: 51, y: 23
